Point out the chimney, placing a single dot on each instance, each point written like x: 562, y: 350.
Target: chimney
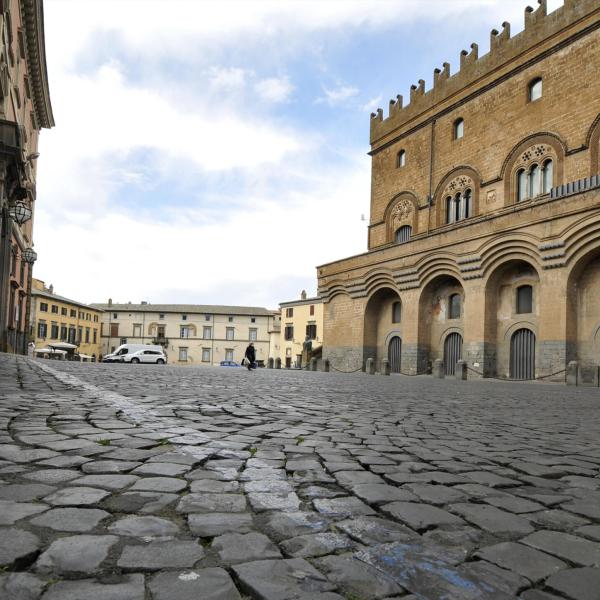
x: 110, y: 301
x: 51, y: 289
x: 303, y: 295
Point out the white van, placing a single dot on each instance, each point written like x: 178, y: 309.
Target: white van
x: 122, y: 351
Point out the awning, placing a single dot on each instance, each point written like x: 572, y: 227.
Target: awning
x: 63, y: 346
x: 49, y: 351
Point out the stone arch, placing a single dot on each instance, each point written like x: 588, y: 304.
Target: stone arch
x: 501, y: 316
x: 457, y: 180
x: 537, y: 147
x: 402, y: 210
x: 434, y: 323
x: 593, y: 143
x: 379, y: 325
x: 583, y: 308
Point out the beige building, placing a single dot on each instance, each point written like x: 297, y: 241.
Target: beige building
x: 25, y: 110
x: 484, y: 233
x: 190, y: 334
x: 301, y: 322
x: 55, y: 319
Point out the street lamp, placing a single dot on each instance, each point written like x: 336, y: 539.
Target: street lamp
x: 20, y: 212
x: 29, y: 255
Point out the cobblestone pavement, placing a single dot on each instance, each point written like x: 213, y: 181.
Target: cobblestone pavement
x: 150, y: 482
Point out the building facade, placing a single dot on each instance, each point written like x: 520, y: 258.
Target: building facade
x: 484, y: 234
x: 24, y: 110
x: 58, y: 319
x: 190, y: 334
x: 301, y: 322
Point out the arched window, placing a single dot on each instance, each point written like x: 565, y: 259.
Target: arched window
x: 459, y: 207
x: 535, y: 89
x: 401, y: 158
x: 524, y: 299
x: 521, y: 185
x: 454, y: 306
x: 535, y: 181
x: 547, y: 174
x: 403, y: 234
x: 459, y: 129
x: 396, y: 312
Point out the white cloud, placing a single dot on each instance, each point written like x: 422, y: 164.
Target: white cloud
x: 231, y: 79
x: 337, y: 96
x: 274, y: 89
x: 373, y: 104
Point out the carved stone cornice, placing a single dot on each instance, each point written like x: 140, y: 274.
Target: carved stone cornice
x: 32, y: 16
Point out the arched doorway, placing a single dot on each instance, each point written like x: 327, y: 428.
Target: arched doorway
x: 383, y: 316
x: 452, y: 352
x: 441, y: 309
x: 395, y: 354
x: 522, y: 354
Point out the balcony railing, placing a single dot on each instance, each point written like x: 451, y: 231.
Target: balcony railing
x: 160, y: 341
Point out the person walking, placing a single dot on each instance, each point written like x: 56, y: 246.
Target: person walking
x: 250, y: 356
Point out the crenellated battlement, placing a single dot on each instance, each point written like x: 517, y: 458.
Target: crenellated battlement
x: 539, y: 26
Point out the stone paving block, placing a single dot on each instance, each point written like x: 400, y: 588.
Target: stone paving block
x: 514, y: 504
x: 288, y: 579
x: 235, y: 548
x: 71, y: 519
x: 284, y: 525
x: 24, y: 492
x: 491, y: 479
x: 568, y: 547
x: 579, y: 584
x: 76, y: 554
x: 144, y: 527
x: 129, y: 587
x: 76, y: 496
x: 420, y: 516
x: 351, y: 478
x: 426, y: 574
x: 526, y: 561
x: 21, y: 586
x: 11, y: 512
x: 159, y: 484
x: 212, y: 503
x: 95, y: 467
x: 589, y: 531
x: 560, y: 520
x: 160, y: 555
x: 590, y: 510
x: 138, y: 501
x: 357, y: 578
x: 538, y: 595
x: 374, y: 530
x: 494, y: 520
x: 52, y: 476
x: 161, y: 469
x: 17, y: 547
x: 213, y: 524
x: 377, y: 493
x: 207, y: 584
x: 216, y: 487
x: 64, y: 461
x: 434, y: 494
x: 509, y: 582
x: 108, y: 482
x: 342, y: 507
x: 287, y: 502
x: 317, y: 544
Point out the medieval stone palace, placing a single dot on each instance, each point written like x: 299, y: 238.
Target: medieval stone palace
x: 484, y: 233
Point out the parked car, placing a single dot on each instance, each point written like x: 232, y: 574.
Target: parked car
x: 156, y: 357
x: 229, y: 363
x: 125, y: 349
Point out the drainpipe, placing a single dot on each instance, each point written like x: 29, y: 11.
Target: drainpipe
x: 430, y: 196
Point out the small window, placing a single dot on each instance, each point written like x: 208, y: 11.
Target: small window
x: 547, y: 176
x: 459, y: 129
x: 289, y: 313
x: 230, y: 319
x: 311, y: 331
x: 205, y: 354
x: 206, y: 333
x: 524, y: 299
x: 403, y: 234
x: 55, y: 309
x: 161, y: 316
x: 63, y: 311
x: 454, y: 306
x: 229, y: 333
x: 396, y: 312
x: 207, y: 317
x: 114, y: 315
x: 184, y: 317
x: 312, y: 310
x: 252, y: 319
x: 535, y: 89
x: 521, y: 185
x: 183, y: 354
x: 288, y: 333
x: 252, y: 334
x: 401, y: 158
x: 43, y: 307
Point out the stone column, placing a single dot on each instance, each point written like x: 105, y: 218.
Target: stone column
x: 414, y: 356
x: 438, y: 369
x: 476, y: 350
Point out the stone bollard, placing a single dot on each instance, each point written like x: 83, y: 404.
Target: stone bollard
x: 278, y: 363
x: 438, y: 370
x: 270, y: 363
x: 385, y: 367
x: 312, y: 366
x: 572, y: 369
x: 326, y: 366
x: 370, y: 366
x: 461, y: 370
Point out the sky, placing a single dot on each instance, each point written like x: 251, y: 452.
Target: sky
x: 215, y: 152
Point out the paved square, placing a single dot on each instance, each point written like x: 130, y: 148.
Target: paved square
x: 150, y: 482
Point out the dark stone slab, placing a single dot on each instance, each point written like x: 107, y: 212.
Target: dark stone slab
x: 71, y: 519
x: 18, y: 548
x: 580, y: 584
x: 128, y: 587
x: 205, y: 584
x: 160, y: 555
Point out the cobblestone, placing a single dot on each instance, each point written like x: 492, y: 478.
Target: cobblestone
x: 161, y: 483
